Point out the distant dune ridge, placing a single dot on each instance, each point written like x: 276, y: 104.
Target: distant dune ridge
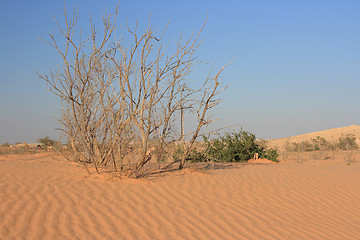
x: 330, y: 135
x: 45, y: 197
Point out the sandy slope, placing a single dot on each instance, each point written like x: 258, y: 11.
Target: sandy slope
x: 331, y: 135
x: 42, y: 198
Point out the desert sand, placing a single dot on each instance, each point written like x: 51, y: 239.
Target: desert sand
x: 43, y: 197
x: 331, y: 135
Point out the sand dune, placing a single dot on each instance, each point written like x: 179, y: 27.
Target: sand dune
x: 44, y: 198
x: 331, y: 135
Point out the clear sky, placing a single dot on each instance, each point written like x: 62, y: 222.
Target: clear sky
x: 296, y: 66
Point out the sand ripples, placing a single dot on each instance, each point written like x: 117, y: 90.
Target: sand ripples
x: 53, y: 200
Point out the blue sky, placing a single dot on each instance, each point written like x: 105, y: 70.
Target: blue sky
x: 295, y: 64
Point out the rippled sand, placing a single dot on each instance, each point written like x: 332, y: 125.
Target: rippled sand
x: 44, y: 198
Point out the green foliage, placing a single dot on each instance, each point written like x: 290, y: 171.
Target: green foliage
x: 238, y: 147
x: 232, y: 147
x: 270, y: 154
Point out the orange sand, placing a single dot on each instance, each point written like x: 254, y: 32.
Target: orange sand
x: 331, y: 135
x: 45, y: 198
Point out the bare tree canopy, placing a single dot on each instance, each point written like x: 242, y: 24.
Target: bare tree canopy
x: 122, y: 100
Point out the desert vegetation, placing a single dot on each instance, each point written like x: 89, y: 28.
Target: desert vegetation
x: 126, y: 100
x: 6, y: 149
x: 129, y: 104
x: 231, y: 147
x: 345, y: 142
x: 9, y: 149
x: 342, y: 146
x: 43, y: 144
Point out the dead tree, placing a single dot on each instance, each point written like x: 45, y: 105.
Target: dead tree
x: 116, y: 94
x: 210, y: 90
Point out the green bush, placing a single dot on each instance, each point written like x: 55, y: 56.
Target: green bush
x: 232, y: 147
x: 270, y: 154
x: 237, y: 147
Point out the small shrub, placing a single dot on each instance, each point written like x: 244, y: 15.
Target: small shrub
x: 237, y: 147
x: 47, y: 142
x: 232, y: 147
x: 194, y: 156
x: 347, y: 142
x: 5, y: 144
x: 270, y: 154
x: 320, y: 143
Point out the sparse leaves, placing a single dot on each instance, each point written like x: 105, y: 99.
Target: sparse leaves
x: 346, y: 142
